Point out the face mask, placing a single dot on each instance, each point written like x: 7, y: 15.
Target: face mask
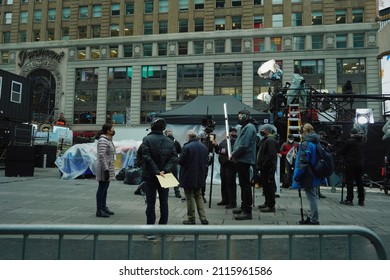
x: 233, y: 136
x: 113, y: 133
x: 290, y: 141
x: 262, y: 133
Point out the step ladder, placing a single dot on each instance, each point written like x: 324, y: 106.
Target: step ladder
x: 294, y: 120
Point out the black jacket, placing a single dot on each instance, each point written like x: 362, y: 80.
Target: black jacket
x: 158, y: 154
x: 353, y: 151
x: 267, y: 156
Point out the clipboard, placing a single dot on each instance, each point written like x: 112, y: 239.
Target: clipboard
x: 168, y: 181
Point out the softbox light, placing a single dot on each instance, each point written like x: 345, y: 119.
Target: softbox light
x: 364, y: 116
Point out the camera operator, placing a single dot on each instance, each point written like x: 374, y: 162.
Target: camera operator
x: 353, y: 152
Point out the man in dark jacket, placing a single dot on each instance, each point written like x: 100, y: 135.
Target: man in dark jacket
x: 193, y: 162
x: 159, y: 157
x: 228, y: 172
x: 266, y: 163
x: 353, y: 152
x: 244, y: 155
x: 303, y: 172
x: 169, y: 134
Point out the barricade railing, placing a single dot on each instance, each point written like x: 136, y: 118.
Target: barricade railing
x: 252, y: 232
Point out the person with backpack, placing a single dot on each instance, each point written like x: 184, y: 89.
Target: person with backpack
x: 353, y: 152
x: 304, y: 176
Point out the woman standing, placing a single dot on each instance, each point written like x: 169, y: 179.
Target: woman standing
x: 105, y: 170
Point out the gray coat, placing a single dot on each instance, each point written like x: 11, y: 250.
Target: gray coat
x: 244, y: 149
x: 105, y: 158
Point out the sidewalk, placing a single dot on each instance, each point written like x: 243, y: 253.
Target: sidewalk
x: 47, y: 199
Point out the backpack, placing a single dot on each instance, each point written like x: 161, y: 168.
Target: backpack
x: 324, y: 165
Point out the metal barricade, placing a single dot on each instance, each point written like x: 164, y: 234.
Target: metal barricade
x: 229, y: 231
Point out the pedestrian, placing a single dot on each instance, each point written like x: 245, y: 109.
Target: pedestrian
x: 353, y: 153
x: 244, y: 156
x: 288, y: 152
x: 193, y: 163
x: 169, y: 134
x: 159, y: 157
x: 304, y: 177
x: 266, y: 163
x: 326, y: 145
x: 228, y: 172
x: 105, y: 168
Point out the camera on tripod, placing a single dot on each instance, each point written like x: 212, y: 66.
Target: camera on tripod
x: 208, y: 123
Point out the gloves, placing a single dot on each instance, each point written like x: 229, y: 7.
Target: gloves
x: 106, y: 175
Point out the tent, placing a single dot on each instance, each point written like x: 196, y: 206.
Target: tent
x: 212, y: 105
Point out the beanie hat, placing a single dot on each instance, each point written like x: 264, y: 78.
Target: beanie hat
x: 290, y: 136
x: 159, y: 124
x: 267, y: 127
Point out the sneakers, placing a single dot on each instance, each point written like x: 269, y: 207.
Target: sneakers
x: 308, y: 222
x: 347, y: 202
x: 204, y: 222
x: 268, y: 210
x: 243, y: 216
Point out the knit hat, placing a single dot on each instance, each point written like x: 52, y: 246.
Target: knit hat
x: 353, y: 131
x: 290, y: 136
x: 232, y: 129
x: 267, y: 127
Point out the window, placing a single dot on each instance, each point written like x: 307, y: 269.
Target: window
x: 199, y: 4
x: 236, y: 22
x: 341, y: 41
x: 357, y: 15
x: 65, y: 13
x: 148, y: 49
x: 351, y: 66
x: 219, y: 46
x: 199, y: 26
x: 236, y: 45
x: 276, y: 43
x: 129, y: 29
x: 7, y: 18
x: 341, y: 16
x: 220, y: 23
x: 299, y: 43
x: 198, y: 47
x: 163, y: 27
x: 129, y: 8
x: 82, y: 32
x: 352, y: 69
x: 258, y: 44
x: 358, y: 40
x: 257, y: 2
x: 219, y: 3
x: 316, y: 18
x: 95, y: 30
x: 51, y: 14
x: 83, y: 12
x: 310, y: 66
x: 183, y: 5
x: 16, y: 92
x: 6, y: 37
x: 113, y: 51
x: 258, y: 22
x: 277, y: 20
x: 148, y: 28
x: 189, y: 81
x: 50, y: 34
x: 95, y: 52
x: 36, y: 36
x: 296, y: 19
x: 317, y: 42
x: 236, y: 3
x: 276, y: 2
x: 23, y: 16
x: 148, y: 7
x: 86, y: 74
x: 115, y: 9
x: 183, y: 25
x: 5, y: 56
x: 114, y: 30
x: 65, y: 33
x: 22, y: 36
x: 37, y: 16
x: 81, y: 54
x: 162, y: 49
x: 96, y: 11
x: 9, y: 2
x: 183, y: 48
x: 163, y: 6
x: 128, y: 50
x: 85, y: 117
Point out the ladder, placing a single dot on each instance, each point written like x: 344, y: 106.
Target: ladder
x: 294, y: 120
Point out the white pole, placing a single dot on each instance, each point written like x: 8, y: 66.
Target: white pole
x: 229, y: 147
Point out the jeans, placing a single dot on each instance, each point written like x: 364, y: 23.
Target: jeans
x: 101, y: 194
x: 194, y: 198
x: 243, y: 171
x: 312, y: 197
x: 152, y: 186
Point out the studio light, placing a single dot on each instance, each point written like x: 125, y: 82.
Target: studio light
x: 364, y: 116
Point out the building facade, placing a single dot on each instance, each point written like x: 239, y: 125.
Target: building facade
x: 124, y: 60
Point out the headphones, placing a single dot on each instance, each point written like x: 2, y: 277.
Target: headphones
x: 245, y: 115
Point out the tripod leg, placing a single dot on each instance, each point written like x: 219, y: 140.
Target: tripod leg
x: 300, y: 198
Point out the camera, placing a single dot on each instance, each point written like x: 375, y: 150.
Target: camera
x: 208, y: 123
